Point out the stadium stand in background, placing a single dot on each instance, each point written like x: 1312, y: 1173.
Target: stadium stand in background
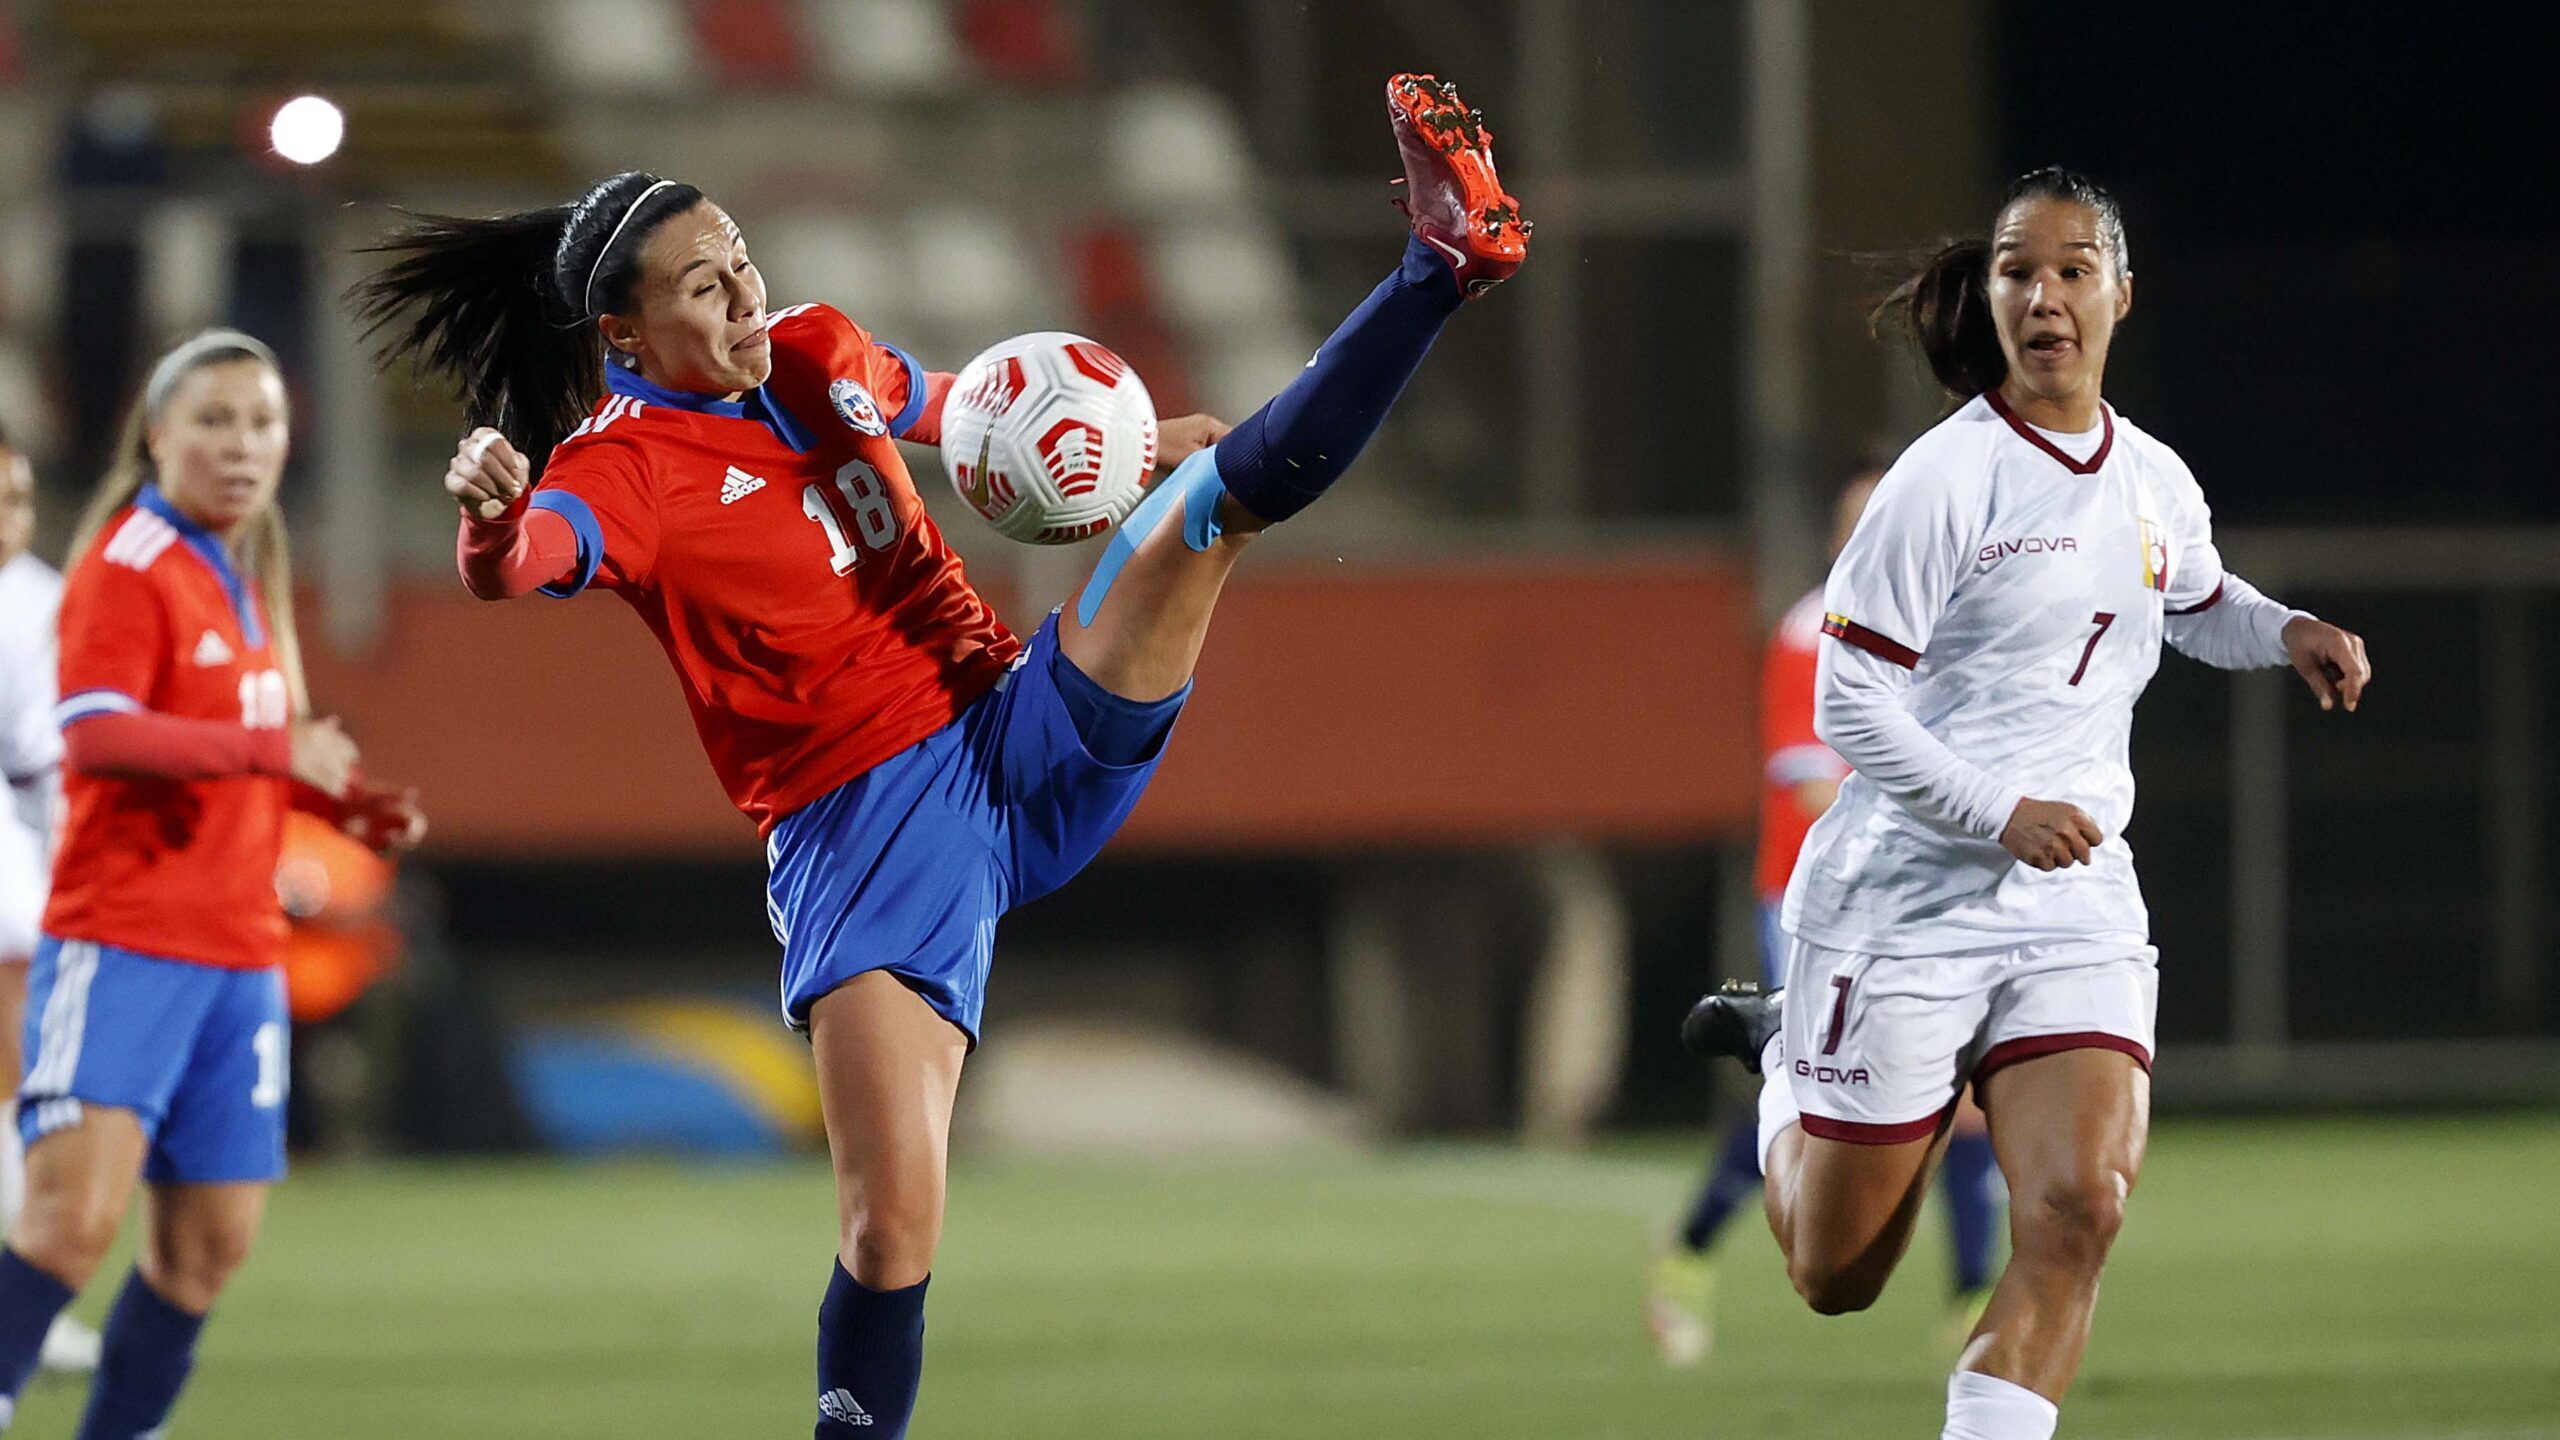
x: 1505, y: 883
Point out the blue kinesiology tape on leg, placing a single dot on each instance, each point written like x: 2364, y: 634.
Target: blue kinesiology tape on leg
x: 1194, y: 489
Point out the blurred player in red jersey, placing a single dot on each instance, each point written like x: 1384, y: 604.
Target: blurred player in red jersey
x: 156, y: 1032
x: 916, y: 769
x: 1800, y: 777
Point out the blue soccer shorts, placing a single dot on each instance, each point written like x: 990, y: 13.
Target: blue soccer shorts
x: 907, y: 867
x: 196, y: 1052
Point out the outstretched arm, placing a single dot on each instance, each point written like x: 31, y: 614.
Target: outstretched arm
x: 2237, y: 628
x: 2224, y: 621
x: 137, y: 744
x: 2234, y: 627
x: 505, y: 548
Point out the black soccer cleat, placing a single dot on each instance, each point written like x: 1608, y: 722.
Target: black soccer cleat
x: 1736, y: 1020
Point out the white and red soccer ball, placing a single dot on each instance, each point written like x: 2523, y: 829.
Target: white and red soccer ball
x: 1050, y: 437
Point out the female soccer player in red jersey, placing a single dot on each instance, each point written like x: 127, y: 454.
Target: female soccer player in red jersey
x: 647, y: 425
x: 156, y: 1019
x: 1965, y: 912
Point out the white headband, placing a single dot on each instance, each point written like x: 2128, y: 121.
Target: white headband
x: 589, y: 296
x: 195, y: 351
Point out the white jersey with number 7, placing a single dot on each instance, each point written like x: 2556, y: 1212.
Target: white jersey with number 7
x: 1994, y: 617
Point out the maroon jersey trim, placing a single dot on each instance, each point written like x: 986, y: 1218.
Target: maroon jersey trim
x: 1863, y: 1132
x: 2028, y: 433
x: 2036, y: 1047
x: 1841, y: 627
x: 2204, y: 604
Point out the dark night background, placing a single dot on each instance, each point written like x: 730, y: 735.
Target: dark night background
x: 2340, y: 215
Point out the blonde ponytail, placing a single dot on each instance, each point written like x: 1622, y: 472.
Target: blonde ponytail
x: 265, y: 552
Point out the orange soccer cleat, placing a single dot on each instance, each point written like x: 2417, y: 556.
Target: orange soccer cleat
x: 1451, y: 194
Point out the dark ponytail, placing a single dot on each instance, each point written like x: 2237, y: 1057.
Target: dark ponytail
x: 1946, y: 308
x: 505, y: 308
x: 1946, y: 305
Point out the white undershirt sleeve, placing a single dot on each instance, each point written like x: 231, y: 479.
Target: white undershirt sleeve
x: 1882, y: 604
x: 2240, y: 630
x: 1860, y: 714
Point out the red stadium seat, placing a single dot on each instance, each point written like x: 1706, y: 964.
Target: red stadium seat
x: 754, y: 44
x: 1032, y: 44
x: 1116, y: 296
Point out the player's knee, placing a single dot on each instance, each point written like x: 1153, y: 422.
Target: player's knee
x: 65, y: 1232
x: 1832, y: 1288
x: 890, y: 1247
x: 2074, y: 1220
x: 192, y: 1267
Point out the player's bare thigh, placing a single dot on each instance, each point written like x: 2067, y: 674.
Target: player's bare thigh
x: 2070, y: 1131
x: 1146, y: 636
x: 2069, y: 1125
x: 888, y: 1073
x: 1844, y: 1212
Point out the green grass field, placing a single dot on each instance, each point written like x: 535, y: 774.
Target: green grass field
x: 2286, y: 1280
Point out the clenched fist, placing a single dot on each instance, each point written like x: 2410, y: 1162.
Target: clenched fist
x: 487, y: 474
x: 2051, y: 834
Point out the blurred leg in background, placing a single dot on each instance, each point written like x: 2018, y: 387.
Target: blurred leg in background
x: 70, y: 1343
x: 1969, y: 1178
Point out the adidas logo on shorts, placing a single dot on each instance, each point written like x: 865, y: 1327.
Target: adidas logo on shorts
x: 734, y: 487
x: 838, y: 1405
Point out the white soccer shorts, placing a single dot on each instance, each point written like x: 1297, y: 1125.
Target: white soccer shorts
x: 1878, y: 1047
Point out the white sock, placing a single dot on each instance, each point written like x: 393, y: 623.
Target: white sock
x: 1986, y: 1407
x: 1777, y: 1096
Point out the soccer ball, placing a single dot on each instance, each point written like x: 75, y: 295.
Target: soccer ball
x: 1050, y: 437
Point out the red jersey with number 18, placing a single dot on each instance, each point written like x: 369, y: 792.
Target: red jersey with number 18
x: 778, y: 549
x: 154, y: 618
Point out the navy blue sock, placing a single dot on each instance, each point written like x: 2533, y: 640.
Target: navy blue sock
x: 1284, y: 455
x: 870, y: 1358
x: 29, y: 1299
x: 150, y: 1348
x: 1735, y: 1176
x: 1115, y: 731
x: 1973, y: 1208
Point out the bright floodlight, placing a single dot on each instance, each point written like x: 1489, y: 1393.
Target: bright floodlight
x: 307, y: 130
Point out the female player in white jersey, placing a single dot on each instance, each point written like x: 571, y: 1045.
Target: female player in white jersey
x: 1968, y: 910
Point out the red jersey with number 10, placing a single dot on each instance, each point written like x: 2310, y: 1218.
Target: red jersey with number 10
x: 155, y: 618
x: 778, y: 549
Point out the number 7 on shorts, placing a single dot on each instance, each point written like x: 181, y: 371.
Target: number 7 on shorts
x: 1839, y: 1013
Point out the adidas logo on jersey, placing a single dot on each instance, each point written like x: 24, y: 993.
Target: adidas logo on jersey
x: 839, y: 1406
x: 212, y: 651
x: 738, y: 485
